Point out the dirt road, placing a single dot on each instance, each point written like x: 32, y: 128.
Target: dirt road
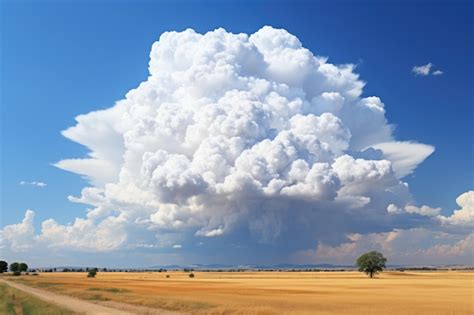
x: 81, y: 306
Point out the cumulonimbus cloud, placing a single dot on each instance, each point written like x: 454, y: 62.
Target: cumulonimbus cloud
x: 245, y: 139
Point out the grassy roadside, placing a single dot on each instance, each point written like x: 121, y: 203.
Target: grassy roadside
x: 94, y: 290
x: 16, y: 302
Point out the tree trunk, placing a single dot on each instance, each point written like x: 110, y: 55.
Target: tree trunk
x: 371, y: 274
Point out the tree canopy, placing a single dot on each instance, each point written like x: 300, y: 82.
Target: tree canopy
x: 14, y: 267
x: 371, y: 263
x: 23, y: 267
x: 3, y: 266
x: 17, y: 268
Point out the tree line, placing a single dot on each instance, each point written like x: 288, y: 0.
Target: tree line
x: 16, y: 267
x: 370, y: 263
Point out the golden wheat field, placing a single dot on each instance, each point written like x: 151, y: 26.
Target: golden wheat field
x: 440, y: 292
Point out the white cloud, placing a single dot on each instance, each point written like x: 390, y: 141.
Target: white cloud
x: 21, y: 236
x: 245, y: 140
x: 405, y: 156
x: 422, y: 70
x: 34, y: 183
x: 423, y: 210
x: 425, y: 70
x: 177, y: 246
x: 414, y: 246
x: 465, y: 215
x: 409, y: 208
x: 83, y: 234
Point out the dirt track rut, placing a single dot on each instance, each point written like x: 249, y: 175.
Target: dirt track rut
x: 85, y: 307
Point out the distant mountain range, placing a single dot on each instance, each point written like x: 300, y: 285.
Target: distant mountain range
x: 256, y: 267
x: 219, y: 267
x: 250, y: 266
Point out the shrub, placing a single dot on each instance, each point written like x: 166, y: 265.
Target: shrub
x: 16, y: 273
x: 191, y: 275
x: 92, y: 273
x: 167, y: 276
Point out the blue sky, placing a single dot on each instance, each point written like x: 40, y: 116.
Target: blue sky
x: 59, y: 60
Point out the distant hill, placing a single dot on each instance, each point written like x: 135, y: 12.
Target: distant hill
x: 250, y: 266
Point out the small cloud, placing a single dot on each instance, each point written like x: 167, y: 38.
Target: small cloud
x: 422, y: 70
x: 177, y: 246
x: 425, y: 70
x: 34, y: 183
x: 146, y: 246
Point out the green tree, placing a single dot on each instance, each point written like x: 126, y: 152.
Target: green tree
x: 23, y: 267
x: 92, y: 273
x: 371, y: 263
x: 3, y: 266
x: 14, y: 267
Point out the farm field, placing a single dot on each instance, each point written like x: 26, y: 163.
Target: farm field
x: 439, y: 292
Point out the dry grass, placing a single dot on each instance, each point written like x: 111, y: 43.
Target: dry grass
x: 275, y: 292
x: 15, y: 302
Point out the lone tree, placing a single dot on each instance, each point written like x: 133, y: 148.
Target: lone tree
x: 371, y: 263
x: 3, y: 266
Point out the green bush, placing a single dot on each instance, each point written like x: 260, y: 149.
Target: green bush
x: 92, y: 273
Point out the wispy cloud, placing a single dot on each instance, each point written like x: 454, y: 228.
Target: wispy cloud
x: 425, y: 70
x: 33, y: 183
x: 177, y: 246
